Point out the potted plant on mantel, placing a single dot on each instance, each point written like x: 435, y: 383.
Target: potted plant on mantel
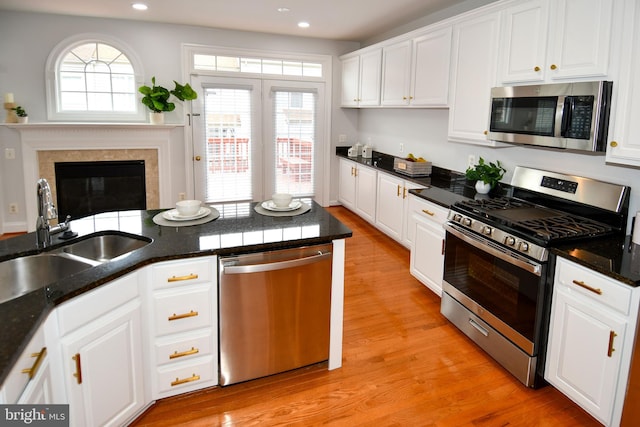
x: 486, y: 175
x: 156, y: 98
x: 22, y: 115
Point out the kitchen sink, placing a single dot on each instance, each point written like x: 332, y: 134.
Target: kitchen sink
x: 19, y: 276
x: 105, y: 247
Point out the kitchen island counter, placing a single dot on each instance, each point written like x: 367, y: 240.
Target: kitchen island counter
x: 239, y: 229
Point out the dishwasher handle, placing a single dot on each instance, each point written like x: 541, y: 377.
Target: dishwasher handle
x: 230, y: 268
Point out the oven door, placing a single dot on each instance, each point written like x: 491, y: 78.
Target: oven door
x: 501, y: 287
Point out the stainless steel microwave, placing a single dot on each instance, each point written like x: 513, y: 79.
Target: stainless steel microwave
x: 573, y: 116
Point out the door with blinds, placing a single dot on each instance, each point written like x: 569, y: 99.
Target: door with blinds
x: 253, y: 138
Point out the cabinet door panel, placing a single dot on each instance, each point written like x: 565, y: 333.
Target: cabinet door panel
x: 396, y: 63
x: 370, y: 71
x: 347, y: 184
x: 427, y: 257
x: 430, y: 70
x: 389, y: 210
x: 350, y: 78
x: 366, y: 193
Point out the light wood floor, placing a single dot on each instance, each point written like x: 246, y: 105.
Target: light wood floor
x: 403, y: 365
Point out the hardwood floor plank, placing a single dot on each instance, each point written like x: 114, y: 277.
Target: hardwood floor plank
x: 404, y: 364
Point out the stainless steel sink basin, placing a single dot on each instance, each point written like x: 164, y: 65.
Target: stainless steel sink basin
x: 105, y: 247
x: 19, y: 276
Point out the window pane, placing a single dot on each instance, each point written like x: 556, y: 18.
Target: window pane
x: 98, y: 82
x: 73, y: 101
x: 292, y: 68
x: 312, y: 69
x: 120, y: 68
x: 72, y: 63
x: 107, y: 53
x: 270, y: 66
x: 204, y: 62
x: 86, y: 52
x: 251, y: 65
x: 228, y: 63
x: 124, y: 102
x: 72, y: 82
x: 99, y: 101
x: 123, y: 84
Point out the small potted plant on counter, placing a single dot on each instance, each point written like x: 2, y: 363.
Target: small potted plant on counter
x: 22, y: 115
x: 156, y: 98
x: 486, y: 175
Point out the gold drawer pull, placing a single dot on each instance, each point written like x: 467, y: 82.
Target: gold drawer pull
x: 587, y: 287
x: 404, y: 192
x: 179, y: 381
x: 34, y: 368
x: 78, y: 373
x: 181, y: 278
x: 183, y: 315
x: 610, y: 351
x: 175, y: 354
x: 398, y: 193
x: 428, y: 212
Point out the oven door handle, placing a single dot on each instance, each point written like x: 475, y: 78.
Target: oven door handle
x: 489, y: 247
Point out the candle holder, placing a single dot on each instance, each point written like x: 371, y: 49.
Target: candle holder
x: 11, y: 113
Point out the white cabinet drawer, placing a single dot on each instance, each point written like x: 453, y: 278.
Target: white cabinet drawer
x: 182, y: 273
x: 183, y: 377
x: 593, y: 285
x: 182, y: 309
x: 187, y: 346
x: 428, y: 211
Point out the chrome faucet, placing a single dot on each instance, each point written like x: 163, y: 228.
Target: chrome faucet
x: 46, y: 212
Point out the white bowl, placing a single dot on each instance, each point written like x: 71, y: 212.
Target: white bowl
x: 281, y: 200
x: 188, y: 207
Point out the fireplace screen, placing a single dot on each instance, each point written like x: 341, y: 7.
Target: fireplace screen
x: 86, y: 188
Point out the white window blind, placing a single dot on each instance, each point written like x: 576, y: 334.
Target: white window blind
x: 294, y: 122
x: 228, y: 132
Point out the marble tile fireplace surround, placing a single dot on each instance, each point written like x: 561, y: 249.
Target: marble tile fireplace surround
x: 45, y: 144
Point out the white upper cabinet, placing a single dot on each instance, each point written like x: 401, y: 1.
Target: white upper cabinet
x: 547, y: 41
x: 361, y: 75
x: 415, y: 72
x: 624, y: 133
x: 473, y: 74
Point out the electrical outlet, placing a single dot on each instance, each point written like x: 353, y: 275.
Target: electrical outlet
x: 342, y: 138
x: 401, y: 147
x: 182, y: 196
x: 471, y: 160
x: 13, y: 208
x: 9, y: 153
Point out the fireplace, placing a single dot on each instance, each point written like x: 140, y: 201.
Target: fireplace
x: 85, y: 188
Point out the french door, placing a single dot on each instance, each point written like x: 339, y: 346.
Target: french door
x: 253, y: 137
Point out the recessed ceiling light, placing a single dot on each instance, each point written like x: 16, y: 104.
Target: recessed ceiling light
x: 283, y: 9
x: 303, y: 24
x: 139, y: 6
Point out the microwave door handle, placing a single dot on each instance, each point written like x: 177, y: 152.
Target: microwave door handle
x: 567, y: 112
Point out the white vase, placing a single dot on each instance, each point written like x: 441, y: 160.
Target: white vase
x: 24, y: 119
x: 156, y: 118
x: 482, y: 188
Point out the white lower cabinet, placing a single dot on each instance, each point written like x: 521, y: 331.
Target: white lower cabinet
x: 101, y: 354
x: 591, y: 335
x: 182, y: 326
x: 392, y: 205
x: 427, y: 236
x: 357, y: 189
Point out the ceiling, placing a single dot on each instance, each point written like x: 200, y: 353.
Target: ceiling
x: 355, y: 20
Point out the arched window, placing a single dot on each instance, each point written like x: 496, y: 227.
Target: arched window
x: 93, y: 79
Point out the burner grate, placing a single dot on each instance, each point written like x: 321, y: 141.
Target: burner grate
x: 565, y: 226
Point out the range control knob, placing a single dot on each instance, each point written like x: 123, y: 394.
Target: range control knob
x: 457, y: 217
x: 486, y: 230
x: 523, y: 246
x: 510, y: 241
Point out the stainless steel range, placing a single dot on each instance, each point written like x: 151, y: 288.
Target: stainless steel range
x: 497, y: 284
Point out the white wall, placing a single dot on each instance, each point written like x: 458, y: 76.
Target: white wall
x: 424, y: 133
x: 26, y: 39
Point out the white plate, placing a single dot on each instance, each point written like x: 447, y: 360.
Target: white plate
x: 270, y: 206
x: 173, y: 215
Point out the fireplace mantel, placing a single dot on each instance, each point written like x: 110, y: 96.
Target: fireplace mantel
x: 37, y: 137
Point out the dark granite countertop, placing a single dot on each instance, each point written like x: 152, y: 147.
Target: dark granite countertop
x: 615, y: 257
x: 238, y: 230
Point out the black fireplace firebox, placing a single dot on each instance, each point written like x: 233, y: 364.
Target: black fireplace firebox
x: 87, y: 188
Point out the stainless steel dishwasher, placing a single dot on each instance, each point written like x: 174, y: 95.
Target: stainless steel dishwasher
x: 274, y: 311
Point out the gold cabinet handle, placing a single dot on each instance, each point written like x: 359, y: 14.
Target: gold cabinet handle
x: 78, y: 373
x: 183, y: 315
x: 197, y: 158
x: 404, y: 98
x: 553, y: 66
x: 536, y: 68
x: 428, y: 212
x: 175, y: 354
x: 181, y: 278
x: 486, y: 132
x: 398, y: 192
x: 613, y: 144
x: 610, y: 350
x: 404, y: 192
x: 587, y: 287
x: 33, y: 370
x: 179, y: 381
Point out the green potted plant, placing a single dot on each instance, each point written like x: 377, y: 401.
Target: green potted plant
x: 156, y: 98
x: 23, y: 117
x: 486, y: 175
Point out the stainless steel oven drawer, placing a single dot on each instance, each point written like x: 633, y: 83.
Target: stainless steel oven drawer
x: 520, y: 364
